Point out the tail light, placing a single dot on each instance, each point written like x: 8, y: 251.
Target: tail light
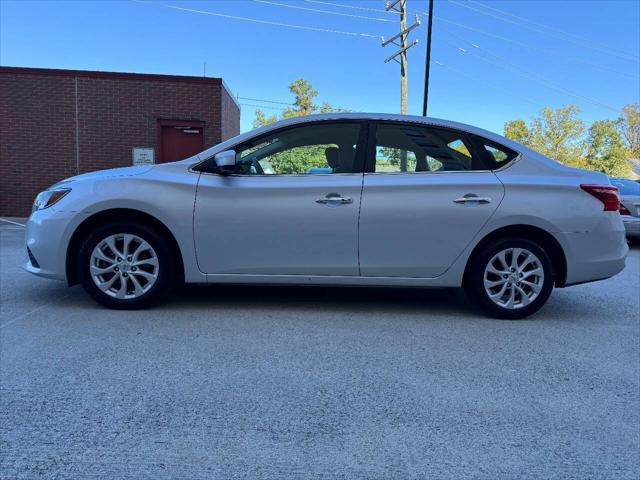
x: 624, y: 210
x: 607, y: 194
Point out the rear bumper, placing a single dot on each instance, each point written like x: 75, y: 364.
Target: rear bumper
x: 631, y: 225
x: 597, y: 254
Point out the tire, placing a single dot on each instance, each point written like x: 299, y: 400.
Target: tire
x: 523, y: 291
x: 132, y: 276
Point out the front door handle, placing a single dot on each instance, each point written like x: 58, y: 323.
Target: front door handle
x: 470, y: 198
x: 334, y: 199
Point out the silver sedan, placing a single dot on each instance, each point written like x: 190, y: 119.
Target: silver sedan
x: 629, y: 206
x: 339, y: 199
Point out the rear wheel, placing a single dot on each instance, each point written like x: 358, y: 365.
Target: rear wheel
x: 510, y: 279
x: 125, y: 265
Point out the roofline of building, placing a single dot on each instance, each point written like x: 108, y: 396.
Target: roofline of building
x: 110, y: 75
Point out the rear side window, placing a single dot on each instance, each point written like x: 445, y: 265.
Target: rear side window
x: 416, y: 148
x: 498, y: 154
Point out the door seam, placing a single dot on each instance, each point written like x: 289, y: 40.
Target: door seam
x: 358, y: 226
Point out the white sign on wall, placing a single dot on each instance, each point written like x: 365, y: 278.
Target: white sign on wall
x: 143, y: 156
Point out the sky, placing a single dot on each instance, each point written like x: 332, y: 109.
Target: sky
x: 492, y: 61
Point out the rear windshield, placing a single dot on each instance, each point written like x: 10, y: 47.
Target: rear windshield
x: 626, y: 187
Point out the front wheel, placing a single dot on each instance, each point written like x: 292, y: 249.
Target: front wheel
x: 511, y: 278
x: 125, y: 265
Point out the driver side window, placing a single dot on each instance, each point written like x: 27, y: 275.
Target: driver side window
x: 305, y: 150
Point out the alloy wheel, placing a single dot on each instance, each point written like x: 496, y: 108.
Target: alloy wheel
x: 124, y: 266
x: 513, y: 278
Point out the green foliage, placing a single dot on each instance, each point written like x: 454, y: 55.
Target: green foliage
x: 304, y: 94
x: 300, y: 159
x: 560, y: 134
x: 557, y: 133
x: 303, y: 104
x: 517, y: 130
x: 629, y: 126
x: 262, y: 119
x: 327, y: 108
x: 606, y: 152
x: 390, y: 159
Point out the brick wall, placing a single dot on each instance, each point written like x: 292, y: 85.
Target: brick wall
x: 115, y: 113
x: 230, y: 112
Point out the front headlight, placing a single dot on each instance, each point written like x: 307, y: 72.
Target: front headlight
x: 49, y: 197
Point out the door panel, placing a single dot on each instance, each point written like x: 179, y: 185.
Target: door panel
x: 291, y: 208
x: 410, y: 225
x: 428, y: 193
x: 273, y: 224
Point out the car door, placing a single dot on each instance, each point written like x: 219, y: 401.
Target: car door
x: 427, y: 192
x: 290, y: 208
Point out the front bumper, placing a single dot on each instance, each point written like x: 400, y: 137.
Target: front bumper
x: 631, y: 225
x: 48, y: 233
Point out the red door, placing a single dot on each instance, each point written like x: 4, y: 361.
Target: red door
x: 180, y: 140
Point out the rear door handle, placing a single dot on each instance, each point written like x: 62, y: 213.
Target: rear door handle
x: 472, y: 198
x: 334, y: 199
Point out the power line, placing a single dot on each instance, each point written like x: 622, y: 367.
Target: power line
x: 267, y: 22
x: 328, y: 12
x: 491, y: 84
x: 530, y: 75
x: 504, y: 12
x: 353, y: 7
x: 266, y: 101
x: 561, y: 36
x: 368, y: 9
x: 260, y: 106
x: 531, y: 47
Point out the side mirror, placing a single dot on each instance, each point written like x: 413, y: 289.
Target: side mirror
x: 226, y: 162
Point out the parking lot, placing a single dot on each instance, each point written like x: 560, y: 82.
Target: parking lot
x: 283, y: 382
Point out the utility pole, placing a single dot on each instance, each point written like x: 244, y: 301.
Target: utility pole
x: 403, y: 58
x: 428, y: 64
x: 400, y: 40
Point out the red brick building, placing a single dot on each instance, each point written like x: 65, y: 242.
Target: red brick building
x: 58, y: 123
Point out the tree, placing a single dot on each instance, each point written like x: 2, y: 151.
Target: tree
x: 557, y: 133
x: 629, y: 126
x: 304, y: 95
x: 304, y: 157
x: 262, y: 119
x: 327, y: 108
x: 517, y: 130
x: 303, y: 104
x: 606, y: 151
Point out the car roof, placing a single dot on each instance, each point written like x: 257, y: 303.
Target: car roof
x: 318, y: 117
x: 626, y: 186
